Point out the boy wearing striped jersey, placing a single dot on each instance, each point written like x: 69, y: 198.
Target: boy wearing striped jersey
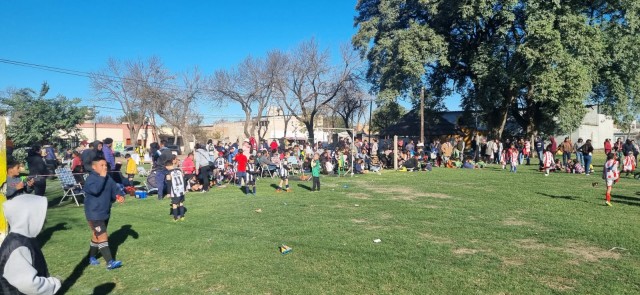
x: 174, y: 182
x: 283, y: 171
x: 219, y: 169
x: 250, y: 177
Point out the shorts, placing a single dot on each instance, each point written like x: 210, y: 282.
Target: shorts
x: 177, y: 200
x: 241, y: 174
x: 98, y: 230
x: 284, y: 177
x: 250, y: 181
x: 610, y: 182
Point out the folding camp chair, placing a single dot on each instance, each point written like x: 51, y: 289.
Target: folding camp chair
x: 69, y: 185
x: 142, y: 172
x: 265, y: 169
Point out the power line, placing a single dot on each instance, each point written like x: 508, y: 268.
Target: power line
x: 90, y: 75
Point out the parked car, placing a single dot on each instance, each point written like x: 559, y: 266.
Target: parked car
x: 175, y: 149
x: 128, y: 149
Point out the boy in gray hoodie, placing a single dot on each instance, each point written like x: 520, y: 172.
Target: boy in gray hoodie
x: 23, y: 269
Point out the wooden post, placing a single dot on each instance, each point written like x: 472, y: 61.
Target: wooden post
x: 422, y: 115
x: 395, y: 152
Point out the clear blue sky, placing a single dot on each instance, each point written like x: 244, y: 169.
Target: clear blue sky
x: 82, y: 35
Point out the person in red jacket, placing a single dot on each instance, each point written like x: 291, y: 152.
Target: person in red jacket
x: 241, y: 173
x: 607, y: 146
x: 189, y: 169
x: 273, y: 146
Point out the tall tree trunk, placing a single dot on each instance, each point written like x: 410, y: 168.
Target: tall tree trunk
x: 504, y: 114
x: 309, y: 126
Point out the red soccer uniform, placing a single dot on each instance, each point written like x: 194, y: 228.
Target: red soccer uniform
x: 241, y: 159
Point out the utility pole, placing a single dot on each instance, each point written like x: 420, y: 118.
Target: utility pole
x: 422, y: 115
x: 95, y: 124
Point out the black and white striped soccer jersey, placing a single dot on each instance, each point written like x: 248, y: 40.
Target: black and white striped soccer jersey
x: 177, y: 183
x: 283, y: 170
x: 219, y: 163
x: 250, y: 177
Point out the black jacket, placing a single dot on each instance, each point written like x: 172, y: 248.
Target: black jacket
x: 37, y: 166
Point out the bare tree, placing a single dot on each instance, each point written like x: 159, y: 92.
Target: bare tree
x: 349, y: 105
x: 250, y: 84
x: 311, y: 82
x: 106, y: 119
x: 127, y: 83
x: 175, y: 105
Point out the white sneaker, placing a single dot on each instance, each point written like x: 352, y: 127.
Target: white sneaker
x: 546, y: 174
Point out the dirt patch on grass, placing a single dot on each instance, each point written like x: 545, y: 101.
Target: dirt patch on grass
x: 405, y: 193
x: 360, y: 196
x: 437, y: 195
x: 435, y: 239
x: 589, y: 253
x: 559, y: 283
x: 432, y: 207
x: 359, y: 221
x: 373, y: 227
x: 531, y: 244
x: 515, y: 222
x: 464, y: 251
x: 385, y: 216
x: 509, y: 262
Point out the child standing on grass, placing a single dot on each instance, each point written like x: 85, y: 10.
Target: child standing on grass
x: 315, y: 172
x: 132, y: 168
x: 610, y: 174
x: 629, y: 163
x: 250, y: 176
x: 283, y: 171
x: 513, y: 157
x: 100, y: 192
x: 548, y: 161
x: 175, y: 186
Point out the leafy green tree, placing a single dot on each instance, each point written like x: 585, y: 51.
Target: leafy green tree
x: 534, y: 60
x: 386, y: 115
x: 618, y: 91
x: 35, y: 119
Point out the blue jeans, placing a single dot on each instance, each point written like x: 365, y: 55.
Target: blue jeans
x: 540, y: 157
x: 587, y: 163
x: 565, y: 158
x: 580, y: 158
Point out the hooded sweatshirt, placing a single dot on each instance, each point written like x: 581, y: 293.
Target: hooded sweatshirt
x: 22, y: 264
x: 99, y: 193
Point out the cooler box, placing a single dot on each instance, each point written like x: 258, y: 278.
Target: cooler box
x: 141, y: 194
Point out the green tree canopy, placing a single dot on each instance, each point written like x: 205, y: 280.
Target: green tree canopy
x: 535, y: 60
x: 386, y: 115
x: 35, y: 119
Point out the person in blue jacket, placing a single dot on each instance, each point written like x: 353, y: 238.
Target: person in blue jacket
x: 100, y: 192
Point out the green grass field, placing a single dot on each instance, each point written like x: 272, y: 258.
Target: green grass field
x: 449, y: 231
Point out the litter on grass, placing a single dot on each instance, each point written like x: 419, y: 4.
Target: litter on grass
x: 284, y: 249
x: 258, y: 210
x: 377, y: 241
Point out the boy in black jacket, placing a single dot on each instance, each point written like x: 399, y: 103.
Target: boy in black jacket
x: 100, y: 191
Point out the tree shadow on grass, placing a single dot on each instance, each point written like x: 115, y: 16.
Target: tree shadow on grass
x: 104, y: 289
x: 115, y: 240
x: 46, y: 234
x: 616, y: 199
x: 571, y: 198
x: 275, y: 186
x: 304, y: 186
x: 627, y: 198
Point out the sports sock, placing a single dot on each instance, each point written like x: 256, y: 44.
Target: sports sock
x: 246, y: 189
x: 608, y: 196
x: 181, y: 211
x: 93, y: 249
x: 175, y: 213
x: 279, y: 187
x: 254, y: 190
x: 287, y: 186
x: 105, y: 251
